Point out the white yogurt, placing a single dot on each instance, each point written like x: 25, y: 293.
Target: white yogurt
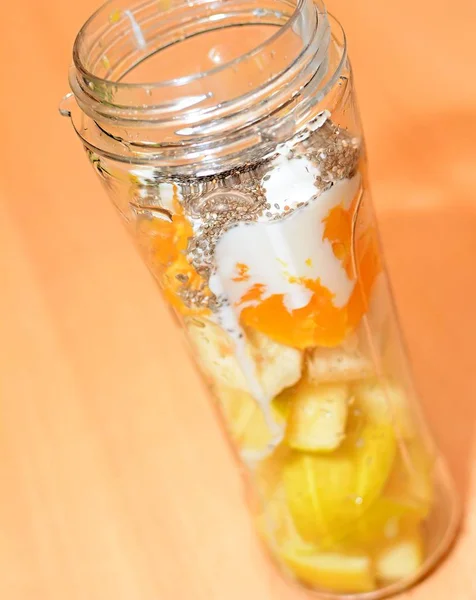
x: 168, y: 192
x: 290, y: 182
x: 274, y: 251
x: 277, y: 252
x: 293, y: 247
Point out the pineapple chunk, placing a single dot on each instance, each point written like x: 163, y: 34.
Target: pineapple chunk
x: 283, y: 403
x: 400, y: 560
x: 275, y: 366
x: 215, y: 352
x: 328, y: 493
x: 330, y: 571
x: 318, y: 417
x: 337, y: 364
x: 385, y: 402
x: 245, y: 419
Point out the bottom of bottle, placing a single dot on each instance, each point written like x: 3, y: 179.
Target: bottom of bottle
x: 330, y: 575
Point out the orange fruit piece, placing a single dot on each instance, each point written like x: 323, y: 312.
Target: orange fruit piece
x: 320, y: 322
x: 164, y: 243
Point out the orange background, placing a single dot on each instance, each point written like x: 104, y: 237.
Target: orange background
x: 116, y: 482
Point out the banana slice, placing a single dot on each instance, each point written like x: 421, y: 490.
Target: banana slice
x: 337, y: 364
x: 331, y: 571
x: 318, y: 417
x: 278, y: 366
x: 385, y: 402
x: 274, y: 366
x: 215, y: 352
x: 402, y: 559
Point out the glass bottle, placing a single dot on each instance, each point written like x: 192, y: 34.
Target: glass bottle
x: 227, y: 135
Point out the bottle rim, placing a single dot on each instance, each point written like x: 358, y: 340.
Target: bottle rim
x: 176, y: 122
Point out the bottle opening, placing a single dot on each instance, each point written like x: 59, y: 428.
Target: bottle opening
x: 121, y: 35
x: 201, y: 55
x: 180, y: 79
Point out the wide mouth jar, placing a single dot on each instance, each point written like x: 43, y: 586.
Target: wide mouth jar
x: 202, y: 86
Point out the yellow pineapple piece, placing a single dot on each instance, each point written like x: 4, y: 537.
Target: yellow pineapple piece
x: 386, y: 402
x: 317, y: 417
x: 338, y: 364
x: 215, y: 352
x: 283, y: 402
x: 330, y: 571
x: 245, y: 419
x: 275, y: 366
x: 401, y: 559
x: 328, y: 493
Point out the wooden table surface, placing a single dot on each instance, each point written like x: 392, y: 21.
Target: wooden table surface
x: 116, y: 482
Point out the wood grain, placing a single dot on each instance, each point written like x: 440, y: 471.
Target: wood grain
x: 116, y: 481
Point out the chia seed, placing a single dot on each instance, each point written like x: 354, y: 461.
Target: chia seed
x: 215, y: 204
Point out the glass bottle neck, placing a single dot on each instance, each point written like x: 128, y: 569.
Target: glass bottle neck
x: 245, y: 76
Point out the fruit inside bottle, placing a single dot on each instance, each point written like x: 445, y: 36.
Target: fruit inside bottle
x: 275, y: 271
